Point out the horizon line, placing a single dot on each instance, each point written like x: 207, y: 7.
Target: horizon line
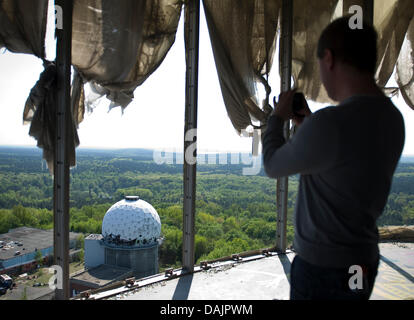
x: 168, y: 149
x: 163, y: 149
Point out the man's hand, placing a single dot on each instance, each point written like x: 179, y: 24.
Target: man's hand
x: 283, y: 108
x: 303, y: 113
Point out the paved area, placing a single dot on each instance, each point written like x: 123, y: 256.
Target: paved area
x: 268, y: 279
x: 395, y: 280
x: 256, y: 280
x: 22, y: 292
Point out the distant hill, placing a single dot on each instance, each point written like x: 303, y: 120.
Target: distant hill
x: 407, y: 159
x: 138, y: 154
x: 20, y: 150
x: 142, y: 154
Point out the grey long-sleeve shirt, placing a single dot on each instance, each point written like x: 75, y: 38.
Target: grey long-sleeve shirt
x: 346, y: 156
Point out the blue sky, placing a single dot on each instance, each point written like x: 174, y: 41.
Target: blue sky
x: 155, y: 119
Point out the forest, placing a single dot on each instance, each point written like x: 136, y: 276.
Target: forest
x: 234, y: 213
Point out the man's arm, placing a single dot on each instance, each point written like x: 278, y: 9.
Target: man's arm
x: 273, y: 140
x: 312, y: 149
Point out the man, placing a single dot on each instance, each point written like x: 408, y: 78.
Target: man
x: 346, y: 156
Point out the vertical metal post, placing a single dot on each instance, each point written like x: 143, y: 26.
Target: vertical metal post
x: 286, y: 73
x: 192, y: 28
x: 61, y: 165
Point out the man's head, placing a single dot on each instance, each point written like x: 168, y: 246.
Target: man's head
x: 339, y: 45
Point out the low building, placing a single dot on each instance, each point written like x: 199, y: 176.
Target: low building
x: 98, y: 277
x: 128, y: 246
x: 19, y: 248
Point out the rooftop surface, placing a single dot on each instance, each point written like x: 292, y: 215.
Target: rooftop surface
x: 101, y: 276
x: 268, y: 279
x: 30, y: 238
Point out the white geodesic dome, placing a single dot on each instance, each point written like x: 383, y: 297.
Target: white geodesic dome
x: 132, y: 219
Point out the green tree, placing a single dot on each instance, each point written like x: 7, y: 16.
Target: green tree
x: 82, y: 255
x: 24, y: 294
x: 80, y: 242
x: 170, y: 250
x: 230, y: 224
x: 38, y: 257
x: 202, y: 246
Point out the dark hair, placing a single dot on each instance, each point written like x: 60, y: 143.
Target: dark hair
x: 355, y: 47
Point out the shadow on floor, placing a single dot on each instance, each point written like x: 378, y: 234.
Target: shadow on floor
x: 398, y: 269
x: 182, y: 289
x: 284, y: 260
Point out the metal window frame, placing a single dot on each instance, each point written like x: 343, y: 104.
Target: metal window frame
x: 282, y: 184
x: 61, y: 159
x: 192, y: 36
x: 192, y: 16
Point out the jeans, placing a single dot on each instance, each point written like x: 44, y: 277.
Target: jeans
x: 310, y: 282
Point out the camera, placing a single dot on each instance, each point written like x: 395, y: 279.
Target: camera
x: 298, y: 103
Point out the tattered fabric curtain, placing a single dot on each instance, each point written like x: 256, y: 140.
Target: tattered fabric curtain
x: 405, y: 67
x: 23, y: 26
x: 309, y: 19
x: 393, y: 20
x: 116, y: 47
x: 23, y: 30
x: 243, y: 35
